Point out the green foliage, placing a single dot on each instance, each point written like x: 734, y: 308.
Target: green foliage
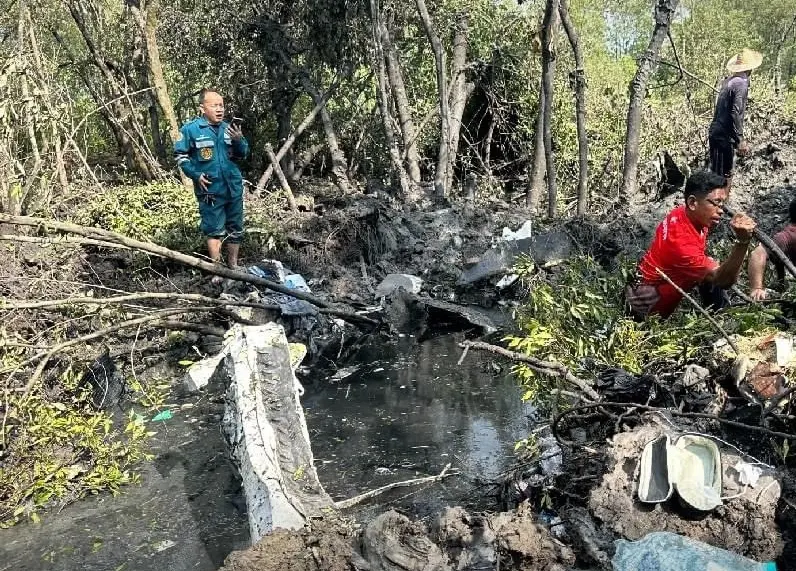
x: 59, y: 451
x: 577, y: 319
x: 165, y: 213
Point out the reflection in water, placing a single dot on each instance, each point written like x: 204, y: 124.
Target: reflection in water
x: 409, y: 409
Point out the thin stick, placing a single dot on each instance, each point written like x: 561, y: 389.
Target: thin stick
x: 60, y: 240
x: 344, y: 504
x: 65, y: 302
x: 280, y: 176
x: 45, y: 356
x: 689, y: 74
x: 538, y: 365
x: 646, y: 408
x: 739, y: 292
x: 702, y: 310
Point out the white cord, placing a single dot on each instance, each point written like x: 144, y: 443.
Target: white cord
x: 756, y: 461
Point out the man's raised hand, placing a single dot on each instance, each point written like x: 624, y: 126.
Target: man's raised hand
x: 743, y: 226
x: 235, y: 132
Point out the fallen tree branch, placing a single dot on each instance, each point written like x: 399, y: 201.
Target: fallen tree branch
x: 60, y: 240
x: 121, y: 299
x: 280, y: 176
x: 646, y: 408
x: 702, y: 310
x: 141, y: 296
x: 544, y: 367
x: 185, y: 259
x: 45, y: 356
x: 344, y: 504
x: 308, y: 120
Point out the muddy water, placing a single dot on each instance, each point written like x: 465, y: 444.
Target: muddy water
x: 187, y: 513
x: 406, y: 409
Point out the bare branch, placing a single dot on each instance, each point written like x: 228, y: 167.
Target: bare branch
x: 544, y: 367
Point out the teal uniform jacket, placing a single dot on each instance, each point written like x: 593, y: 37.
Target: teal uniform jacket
x: 203, y: 149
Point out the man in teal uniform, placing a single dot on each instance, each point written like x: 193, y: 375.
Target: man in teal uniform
x: 205, y: 151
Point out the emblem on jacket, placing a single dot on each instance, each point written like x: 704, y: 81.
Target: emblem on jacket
x: 206, y: 153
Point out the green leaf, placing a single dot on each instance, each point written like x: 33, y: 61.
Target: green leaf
x: 163, y: 416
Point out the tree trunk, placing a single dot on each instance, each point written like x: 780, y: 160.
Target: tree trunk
x: 288, y: 143
x: 306, y: 157
x: 131, y: 149
x: 537, y: 170
x: 578, y: 83
x: 548, y: 73
x: 458, y: 93
x: 283, y: 101
x: 778, y: 58
x: 339, y: 161
x: 664, y: 10
x: 408, y: 188
x: 60, y: 168
x: 154, y: 128
x: 149, y: 25
x: 442, y: 89
x: 408, y: 131
x: 291, y: 200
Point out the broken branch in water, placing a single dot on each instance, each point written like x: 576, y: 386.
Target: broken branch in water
x: 185, y: 259
x: 543, y: 367
x: 344, y: 504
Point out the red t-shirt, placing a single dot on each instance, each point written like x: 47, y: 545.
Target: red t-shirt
x: 678, y: 249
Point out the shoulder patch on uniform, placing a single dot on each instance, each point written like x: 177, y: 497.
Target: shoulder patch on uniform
x: 179, y: 137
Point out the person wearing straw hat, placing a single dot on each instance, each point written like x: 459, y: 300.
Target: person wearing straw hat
x: 726, y: 130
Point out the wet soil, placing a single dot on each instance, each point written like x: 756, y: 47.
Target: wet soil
x: 186, y: 514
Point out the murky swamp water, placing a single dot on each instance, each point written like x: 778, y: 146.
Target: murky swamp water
x: 393, y: 412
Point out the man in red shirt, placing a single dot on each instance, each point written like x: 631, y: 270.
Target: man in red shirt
x: 678, y: 250
x: 786, y: 240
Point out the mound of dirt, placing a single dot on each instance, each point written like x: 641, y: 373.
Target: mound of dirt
x: 745, y: 523
x: 393, y: 542
x: 326, y: 545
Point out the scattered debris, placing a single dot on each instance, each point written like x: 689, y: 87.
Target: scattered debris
x: 392, y: 542
x: 393, y: 282
x: 547, y: 248
x: 266, y: 432
x: 745, y: 523
x: 664, y: 551
x: 163, y: 415
x: 689, y: 466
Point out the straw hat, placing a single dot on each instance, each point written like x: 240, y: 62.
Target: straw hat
x: 746, y: 60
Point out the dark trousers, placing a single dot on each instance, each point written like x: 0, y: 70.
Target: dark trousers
x: 722, y: 156
x: 713, y: 297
